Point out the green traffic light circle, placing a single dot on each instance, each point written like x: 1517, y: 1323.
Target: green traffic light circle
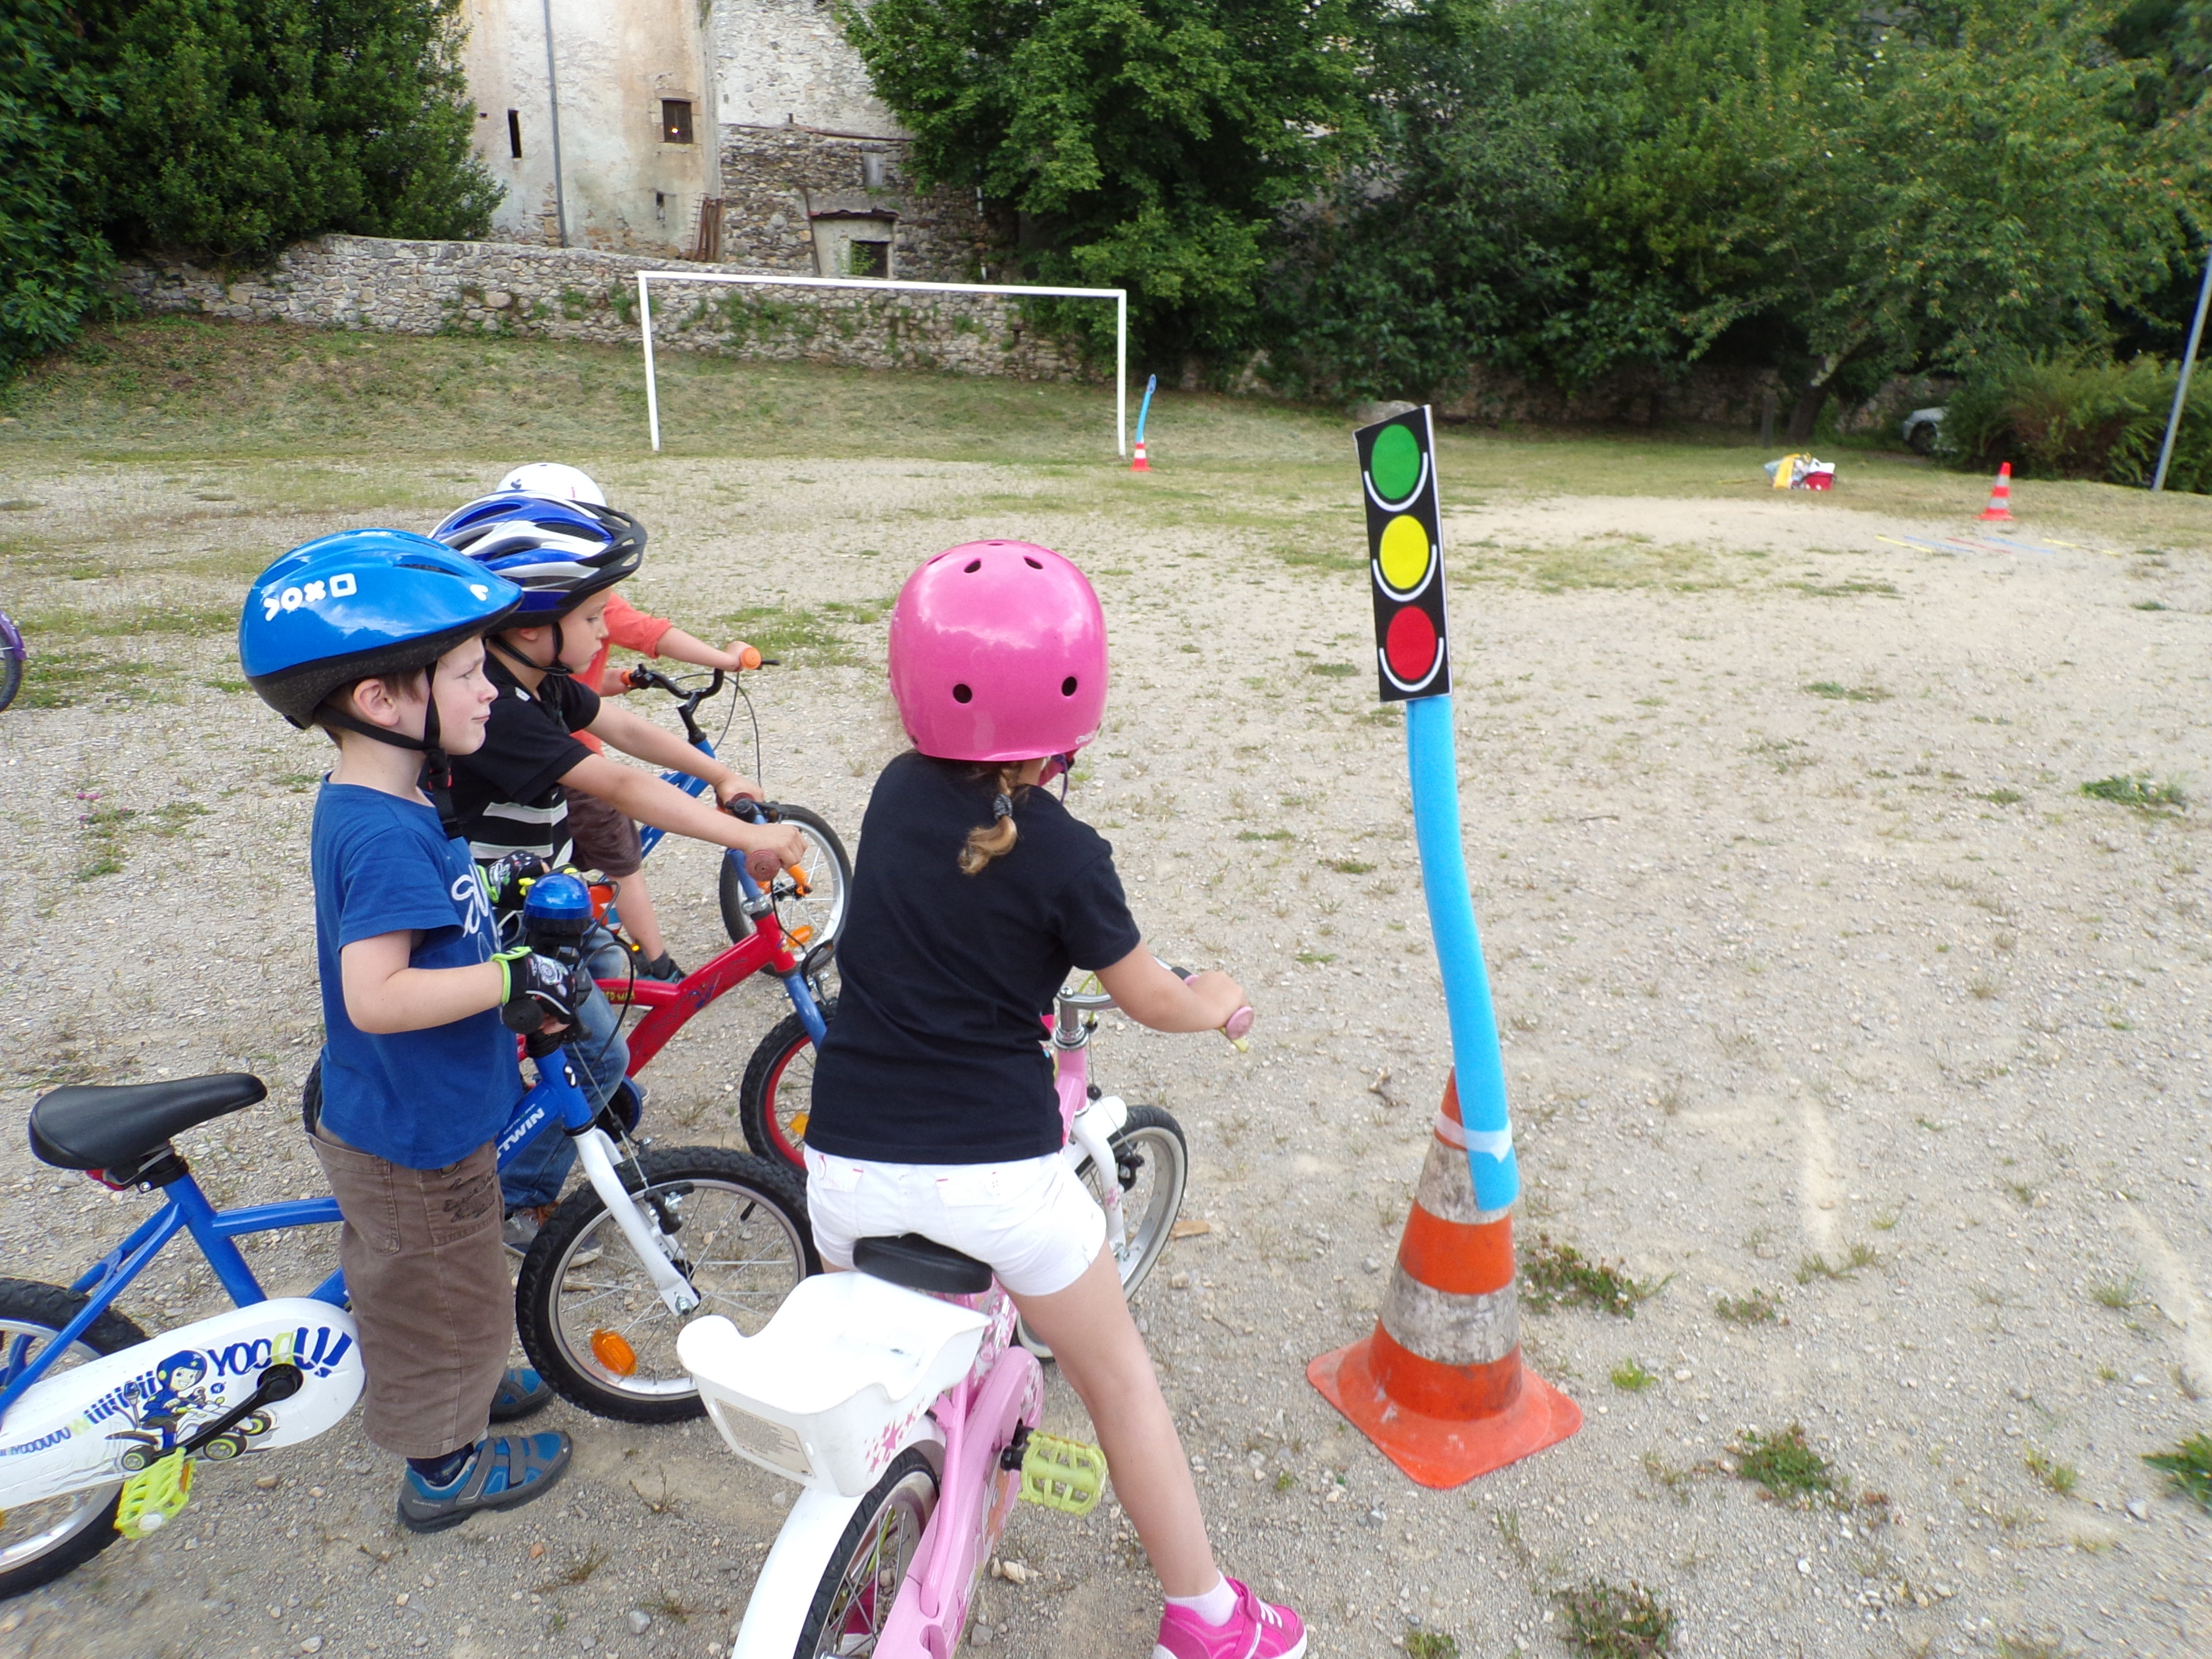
x: 1395, y: 464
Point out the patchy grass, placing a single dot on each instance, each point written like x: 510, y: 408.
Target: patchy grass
x: 1861, y: 1254
x: 2002, y: 797
x: 1782, y: 1464
x: 1630, y: 1376
x: 1850, y: 587
x: 2060, y: 1478
x: 1606, y: 1621
x: 1836, y: 692
x: 1555, y: 1275
x: 1334, y: 670
x: 2140, y: 791
x: 1758, y: 1308
x: 1429, y: 1645
x: 106, y: 828
x: 2118, y: 1294
x: 1351, y: 867
x: 797, y: 637
x: 2187, y: 1470
x: 1599, y: 560
x: 64, y: 678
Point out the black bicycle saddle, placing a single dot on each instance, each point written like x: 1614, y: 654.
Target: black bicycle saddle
x: 85, y: 1126
x: 921, y: 1264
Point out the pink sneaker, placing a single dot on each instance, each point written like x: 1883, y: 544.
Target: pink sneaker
x: 1256, y: 1630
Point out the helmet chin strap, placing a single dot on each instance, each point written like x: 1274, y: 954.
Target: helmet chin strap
x: 436, y: 778
x: 557, y: 667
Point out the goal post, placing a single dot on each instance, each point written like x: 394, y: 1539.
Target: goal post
x: 1120, y: 297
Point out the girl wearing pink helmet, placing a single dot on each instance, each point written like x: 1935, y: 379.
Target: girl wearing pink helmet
x: 975, y: 894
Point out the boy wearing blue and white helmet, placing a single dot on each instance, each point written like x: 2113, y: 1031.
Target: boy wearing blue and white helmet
x: 376, y: 637
x: 566, y: 556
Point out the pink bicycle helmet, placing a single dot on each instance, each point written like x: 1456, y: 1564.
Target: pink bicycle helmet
x: 999, y: 653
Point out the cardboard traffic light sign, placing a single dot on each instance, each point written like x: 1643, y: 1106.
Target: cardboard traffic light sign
x: 1405, y: 556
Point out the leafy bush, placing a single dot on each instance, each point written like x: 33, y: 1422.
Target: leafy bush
x: 242, y: 125
x: 51, y: 263
x: 2071, y: 416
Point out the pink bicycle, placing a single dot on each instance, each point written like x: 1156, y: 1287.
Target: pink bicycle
x: 898, y: 1397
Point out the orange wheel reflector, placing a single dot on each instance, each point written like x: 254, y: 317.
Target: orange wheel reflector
x: 612, y: 1351
x: 801, y: 933
x: 798, y: 1126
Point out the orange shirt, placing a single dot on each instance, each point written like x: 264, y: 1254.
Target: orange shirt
x: 632, y: 629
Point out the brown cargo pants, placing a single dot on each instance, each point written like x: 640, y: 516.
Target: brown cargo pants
x: 427, y: 1275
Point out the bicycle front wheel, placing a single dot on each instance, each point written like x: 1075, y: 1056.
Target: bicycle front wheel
x: 591, y: 1320
x: 811, y: 920
x: 11, y: 673
x: 42, y: 1539
x: 870, y: 1561
x: 776, y: 1099
x: 1152, y: 1165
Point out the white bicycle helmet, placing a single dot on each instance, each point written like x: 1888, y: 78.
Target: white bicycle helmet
x: 555, y: 481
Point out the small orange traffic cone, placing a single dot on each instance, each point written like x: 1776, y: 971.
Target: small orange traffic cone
x: 1140, y: 465
x: 1440, y: 1387
x: 1999, y: 510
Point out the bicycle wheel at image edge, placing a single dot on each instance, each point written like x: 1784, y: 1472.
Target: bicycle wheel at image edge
x: 777, y: 1096
x: 11, y: 674
x: 870, y: 1562
x: 591, y: 1320
x: 1153, y: 1164
x: 829, y: 881
x: 41, y: 1540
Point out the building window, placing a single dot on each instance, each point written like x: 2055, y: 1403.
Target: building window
x: 675, y: 120
x: 872, y: 171
x: 869, y: 259
x: 514, y: 133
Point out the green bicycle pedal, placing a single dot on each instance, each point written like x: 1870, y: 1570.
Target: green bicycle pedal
x: 1067, y: 1476
x: 152, y: 1497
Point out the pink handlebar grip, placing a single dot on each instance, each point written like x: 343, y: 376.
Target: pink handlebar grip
x: 1237, y: 1027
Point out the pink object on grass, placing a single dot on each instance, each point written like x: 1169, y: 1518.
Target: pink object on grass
x: 998, y: 652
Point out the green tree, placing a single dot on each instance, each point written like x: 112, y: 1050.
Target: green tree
x: 241, y: 125
x: 52, y: 263
x: 1568, y: 189
x: 1134, y: 143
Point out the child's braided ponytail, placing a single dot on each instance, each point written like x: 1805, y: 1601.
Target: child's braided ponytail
x: 995, y: 839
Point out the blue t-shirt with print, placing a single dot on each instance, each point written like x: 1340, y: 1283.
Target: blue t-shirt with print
x: 422, y: 1099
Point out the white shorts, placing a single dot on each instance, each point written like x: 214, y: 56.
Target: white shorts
x: 1033, y: 1221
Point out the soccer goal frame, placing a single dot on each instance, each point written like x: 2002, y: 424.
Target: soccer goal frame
x: 1120, y: 297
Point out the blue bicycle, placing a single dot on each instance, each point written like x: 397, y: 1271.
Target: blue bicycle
x: 87, y: 1400
x: 810, y: 897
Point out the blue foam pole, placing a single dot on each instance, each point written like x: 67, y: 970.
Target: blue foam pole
x: 1433, y: 761
x: 1145, y: 408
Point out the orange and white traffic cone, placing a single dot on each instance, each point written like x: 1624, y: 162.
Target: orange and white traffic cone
x: 1440, y: 1387
x: 1999, y: 510
x: 1140, y: 465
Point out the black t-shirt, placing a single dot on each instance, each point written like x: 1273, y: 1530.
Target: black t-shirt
x: 509, y: 792
x: 936, y: 1055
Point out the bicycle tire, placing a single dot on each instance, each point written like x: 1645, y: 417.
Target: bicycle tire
x: 858, y: 1582
x: 824, y: 922
x: 656, y: 1389
x: 763, y: 1113
x: 1157, y: 1142
x: 88, y: 1526
x: 11, y: 675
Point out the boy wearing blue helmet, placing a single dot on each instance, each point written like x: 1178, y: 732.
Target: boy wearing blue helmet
x: 566, y: 556
x: 376, y: 637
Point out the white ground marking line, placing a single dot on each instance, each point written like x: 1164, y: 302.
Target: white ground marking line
x: 2176, y: 1296
x: 1817, y: 1178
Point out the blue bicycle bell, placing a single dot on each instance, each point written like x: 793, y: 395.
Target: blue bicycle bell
x: 557, y: 905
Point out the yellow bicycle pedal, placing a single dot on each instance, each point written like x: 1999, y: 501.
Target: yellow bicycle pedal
x: 1067, y: 1476
x: 152, y: 1497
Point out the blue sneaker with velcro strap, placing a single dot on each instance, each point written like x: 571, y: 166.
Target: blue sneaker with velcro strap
x: 505, y: 1471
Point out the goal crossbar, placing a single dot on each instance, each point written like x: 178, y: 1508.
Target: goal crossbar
x: 1120, y: 297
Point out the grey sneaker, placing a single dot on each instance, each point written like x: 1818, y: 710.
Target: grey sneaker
x: 510, y: 1470
x: 519, y: 1232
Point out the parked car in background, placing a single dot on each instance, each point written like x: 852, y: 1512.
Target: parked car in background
x: 1920, y: 429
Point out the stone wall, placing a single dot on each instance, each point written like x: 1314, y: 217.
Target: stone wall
x: 510, y: 289
x: 774, y: 178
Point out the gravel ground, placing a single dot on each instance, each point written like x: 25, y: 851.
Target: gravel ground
x: 1844, y: 995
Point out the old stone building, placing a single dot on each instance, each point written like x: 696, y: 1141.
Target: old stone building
x: 741, y: 130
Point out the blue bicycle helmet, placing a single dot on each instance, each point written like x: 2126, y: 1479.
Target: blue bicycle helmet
x: 357, y: 604
x: 559, y: 553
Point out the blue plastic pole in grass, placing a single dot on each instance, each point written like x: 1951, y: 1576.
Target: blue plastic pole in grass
x: 1145, y: 408
x: 1412, y: 663
x: 2181, y: 388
